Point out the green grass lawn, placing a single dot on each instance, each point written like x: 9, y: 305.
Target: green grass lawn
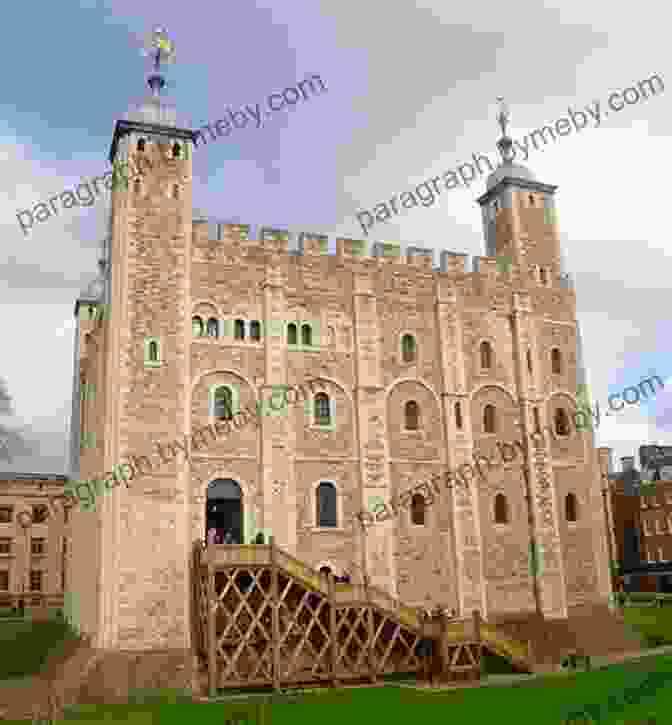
x: 653, y: 623
x: 544, y: 701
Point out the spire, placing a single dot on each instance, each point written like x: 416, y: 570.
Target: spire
x: 505, y: 143
x: 160, y: 48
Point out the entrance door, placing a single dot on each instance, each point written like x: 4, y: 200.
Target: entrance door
x: 224, y: 508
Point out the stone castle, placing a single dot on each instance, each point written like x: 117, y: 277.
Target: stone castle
x: 420, y: 369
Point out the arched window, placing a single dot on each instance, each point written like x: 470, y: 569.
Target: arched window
x: 418, y: 510
x: 325, y: 501
x: 489, y: 422
x: 486, y: 355
x: 537, y: 420
x: 531, y: 198
x: 322, y: 409
x: 141, y: 144
x: 306, y: 335
x: 458, y: 416
x: 529, y: 362
x: 542, y: 275
x: 176, y: 191
x: 570, y: 507
x: 292, y: 334
x: 501, y: 509
x: 561, y: 421
x: 255, y: 330
x: 223, y: 403
x: 136, y: 186
x: 408, y: 348
x: 556, y: 361
x: 213, y: 327
x: 153, y: 352
x: 197, y: 328
x: 239, y: 330
x: 177, y: 150
x: 412, y: 415
x: 325, y: 570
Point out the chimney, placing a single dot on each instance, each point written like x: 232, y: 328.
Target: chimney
x: 627, y: 463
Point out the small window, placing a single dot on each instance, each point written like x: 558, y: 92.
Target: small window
x: 141, y: 145
x: 570, y: 507
x: 561, y: 421
x: 38, y: 546
x: 213, y: 327
x: 5, y: 546
x: 412, y: 415
x: 458, y: 416
x: 531, y: 199
x: 6, y: 514
x: 306, y: 335
x: 489, y: 422
x: 35, y: 581
x: 40, y: 514
x: 176, y: 191
x: 501, y: 509
x: 197, y: 327
x: 486, y: 355
x: 223, y: 403
x: 292, y: 334
x: 177, y: 151
x: 542, y: 275
x: 556, y: 361
x: 136, y: 186
x: 4, y: 580
x: 255, y: 330
x: 529, y: 362
x: 408, y: 348
x: 239, y: 330
x: 537, y: 420
x: 325, y: 570
x: 326, y: 505
x: 322, y: 409
x: 418, y: 510
x: 153, y: 351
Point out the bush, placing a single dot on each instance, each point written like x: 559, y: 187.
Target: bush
x: 26, y: 645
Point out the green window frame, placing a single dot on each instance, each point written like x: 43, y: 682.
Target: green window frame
x: 151, y: 344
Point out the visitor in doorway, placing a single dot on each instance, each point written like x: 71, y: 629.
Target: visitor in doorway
x: 212, y: 536
x: 259, y: 539
x: 228, y: 539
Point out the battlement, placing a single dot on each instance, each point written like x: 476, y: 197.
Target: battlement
x: 242, y: 237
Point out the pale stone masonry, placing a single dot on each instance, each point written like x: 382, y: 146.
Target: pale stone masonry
x: 130, y: 556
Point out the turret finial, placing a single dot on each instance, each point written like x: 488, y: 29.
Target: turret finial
x: 505, y: 143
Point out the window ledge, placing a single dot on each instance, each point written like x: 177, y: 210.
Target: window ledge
x: 153, y: 364
x: 328, y: 530
x: 328, y: 428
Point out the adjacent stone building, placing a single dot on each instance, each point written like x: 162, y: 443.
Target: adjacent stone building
x: 419, y: 368
x: 33, y: 539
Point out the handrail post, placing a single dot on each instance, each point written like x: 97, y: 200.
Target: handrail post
x: 275, y: 615
x: 211, y: 631
x: 332, y: 628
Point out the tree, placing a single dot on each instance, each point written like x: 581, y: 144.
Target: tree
x: 12, y: 442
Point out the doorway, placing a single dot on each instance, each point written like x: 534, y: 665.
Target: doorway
x: 224, y: 508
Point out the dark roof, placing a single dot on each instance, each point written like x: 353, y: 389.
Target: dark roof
x: 8, y: 476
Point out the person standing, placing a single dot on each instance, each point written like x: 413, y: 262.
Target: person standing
x: 228, y: 539
x: 212, y: 536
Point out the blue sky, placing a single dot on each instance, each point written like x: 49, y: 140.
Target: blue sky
x: 411, y: 94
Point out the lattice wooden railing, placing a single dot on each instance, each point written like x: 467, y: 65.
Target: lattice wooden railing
x: 262, y: 617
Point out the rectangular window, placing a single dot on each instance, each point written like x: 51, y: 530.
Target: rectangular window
x: 4, y: 580
x: 5, y: 545
x: 6, y: 514
x: 38, y: 546
x: 35, y: 581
